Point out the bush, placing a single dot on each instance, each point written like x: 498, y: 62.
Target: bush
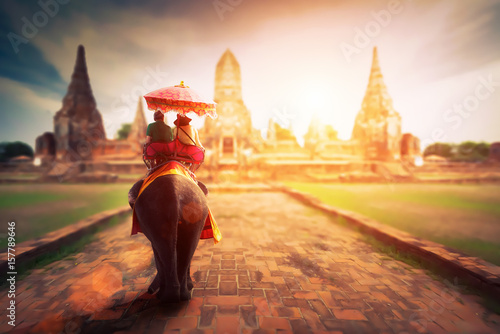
x: 123, y: 131
x: 467, y: 151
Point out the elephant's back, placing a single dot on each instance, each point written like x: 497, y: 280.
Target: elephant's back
x: 171, y: 192
x: 173, y: 186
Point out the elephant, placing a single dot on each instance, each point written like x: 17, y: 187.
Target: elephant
x: 171, y: 213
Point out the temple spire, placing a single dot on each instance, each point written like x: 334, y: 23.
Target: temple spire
x: 377, y: 127
x: 376, y: 78
x: 227, y: 78
x: 375, y: 63
x: 376, y: 96
x: 137, y: 133
x: 78, y: 122
x: 80, y: 81
x: 81, y: 63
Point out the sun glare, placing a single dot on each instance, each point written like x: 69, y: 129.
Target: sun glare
x: 315, y: 97
x: 328, y: 107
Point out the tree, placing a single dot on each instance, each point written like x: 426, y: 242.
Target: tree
x: 472, y: 151
x: 466, y: 148
x: 9, y: 150
x: 123, y: 132
x: 467, y: 151
x: 441, y: 149
x: 483, y: 149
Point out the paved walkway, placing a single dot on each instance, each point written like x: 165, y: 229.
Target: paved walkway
x: 281, y: 267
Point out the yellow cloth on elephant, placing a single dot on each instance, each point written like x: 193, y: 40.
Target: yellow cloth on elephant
x: 210, y: 230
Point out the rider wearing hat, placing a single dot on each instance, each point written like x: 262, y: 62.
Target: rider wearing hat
x: 188, y: 134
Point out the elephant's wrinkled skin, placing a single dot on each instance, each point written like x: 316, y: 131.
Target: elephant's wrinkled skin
x: 171, y: 212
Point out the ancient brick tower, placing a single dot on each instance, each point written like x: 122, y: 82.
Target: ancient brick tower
x: 377, y: 128
x: 78, y: 126
x: 231, y: 132
x: 137, y: 135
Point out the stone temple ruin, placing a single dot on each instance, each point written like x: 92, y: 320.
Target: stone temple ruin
x: 136, y: 138
x: 376, y: 143
x: 232, y: 144
x: 377, y: 128
x: 230, y: 135
x: 78, y: 143
x: 78, y: 124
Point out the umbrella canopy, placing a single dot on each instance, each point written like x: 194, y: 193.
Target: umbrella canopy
x: 180, y: 99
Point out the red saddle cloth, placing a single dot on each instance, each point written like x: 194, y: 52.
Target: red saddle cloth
x: 177, y: 150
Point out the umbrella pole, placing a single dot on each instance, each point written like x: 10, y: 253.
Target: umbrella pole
x: 177, y: 133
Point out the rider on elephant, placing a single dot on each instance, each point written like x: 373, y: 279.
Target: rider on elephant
x: 188, y: 134
x: 158, y: 132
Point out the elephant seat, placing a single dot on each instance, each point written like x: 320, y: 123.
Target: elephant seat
x: 155, y: 154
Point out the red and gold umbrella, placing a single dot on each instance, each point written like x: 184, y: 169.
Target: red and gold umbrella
x: 180, y: 99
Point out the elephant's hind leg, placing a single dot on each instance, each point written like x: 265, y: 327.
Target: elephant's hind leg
x: 163, y: 240
x: 155, y: 284
x: 188, y: 238
x: 169, y: 283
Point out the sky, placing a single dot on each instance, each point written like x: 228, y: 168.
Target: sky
x: 440, y: 60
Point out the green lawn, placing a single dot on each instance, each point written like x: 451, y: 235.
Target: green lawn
x: 25, y: 176
x: 41, y: 208
x: 465, y: 217
x: 131, y: 176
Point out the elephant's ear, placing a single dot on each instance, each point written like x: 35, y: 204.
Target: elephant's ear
x: 133, y: 193
x: 203, y: 187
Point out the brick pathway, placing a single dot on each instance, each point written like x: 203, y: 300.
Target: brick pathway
x: 281, y: 268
